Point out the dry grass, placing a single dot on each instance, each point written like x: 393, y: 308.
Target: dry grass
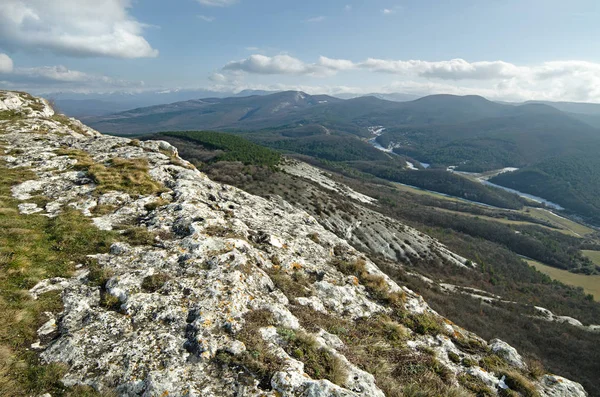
x: 377, y: 345
x: 67, y: 122
x: 32, y: 248
x: 319, y: 362
x: 519, y: 383
x: 258, y: 360
x: 293, y: 285
x: 377, y: 286
x: 159, y: 202
x: 118, y: 174
x: 475, y: 385
x: 154, y: 282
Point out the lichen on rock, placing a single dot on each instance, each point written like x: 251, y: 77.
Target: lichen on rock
x: 197, y: 296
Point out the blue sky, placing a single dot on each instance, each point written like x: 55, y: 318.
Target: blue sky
x: 503, y: 49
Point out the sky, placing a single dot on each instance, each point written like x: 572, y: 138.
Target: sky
x: 510, y: 50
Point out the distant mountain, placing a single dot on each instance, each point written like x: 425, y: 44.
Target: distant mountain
x: 573, y: 107
x: 589, y: 113
x: 395, y: 97
x: 529, y: 134
x: 254, y: 92
x: 81, y: 108
x: 292, y: 109
x: 91, y: 105
x: 254, y: 112
x: 468, y: 132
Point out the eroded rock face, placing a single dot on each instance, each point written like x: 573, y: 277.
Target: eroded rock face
x: 507, y: 352
x: 215, y: 248
x: 371, y: 231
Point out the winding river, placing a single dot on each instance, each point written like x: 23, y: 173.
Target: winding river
x: 481, y: 178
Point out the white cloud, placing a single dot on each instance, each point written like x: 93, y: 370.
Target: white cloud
x: 558, y: 80
x: 392, y: 10
x: 278, y: 64
x: 6, y: 64
x: 217, y: 3
x: 454, y: 69
x: 348, y: 7
x: 336, y: 64
x: 285, y: 64
x: 218, y: 78
x: 74, y: 27
x: 206, y: 18
x: 320, y: 18
x: 46, y: 78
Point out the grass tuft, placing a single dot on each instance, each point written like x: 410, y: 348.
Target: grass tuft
x: 33, y: 248
x: 319, y: 362
x: 154, y: 282
x: 118, y: 174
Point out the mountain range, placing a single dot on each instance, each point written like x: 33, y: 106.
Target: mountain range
x: 468, y: 133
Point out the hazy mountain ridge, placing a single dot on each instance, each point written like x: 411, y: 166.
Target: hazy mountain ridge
x: 467, y: 132
x: 165, y: 329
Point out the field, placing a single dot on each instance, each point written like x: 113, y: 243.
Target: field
x: 411, y: 189
x: 575, y: 227
x: 590, y: 284
x: 593, y: 255
x: 562, y: 225
x: 509, y: 221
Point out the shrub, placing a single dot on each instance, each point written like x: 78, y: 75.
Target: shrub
x: 319, y: 362
x: 258, y: 359
x: 424, y: 323
x: 475, y: 385
x: 519, y: 383
x: 139, y: 236
x: 154, y: 282
x: 455, y: 358
x: 293, y: 286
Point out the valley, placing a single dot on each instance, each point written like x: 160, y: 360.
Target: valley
x: 281, y: 228
x: 590, y: 284
x: 262, y: 198
x: 369, y: 213
x: 551, y: 153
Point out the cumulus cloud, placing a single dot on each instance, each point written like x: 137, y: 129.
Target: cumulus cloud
x: 278, y: 64
x: 286, y: 64
x: 559, y: 80
x: 6, y: 64
x: 455, y: 69
x: 74, y: 27
x: 217, y: 3
x: 60, y: 77
x: 336, y: 64
x: 218, y: 78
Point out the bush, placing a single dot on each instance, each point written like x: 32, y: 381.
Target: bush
x: 319, y: 362
x: 154, y: 282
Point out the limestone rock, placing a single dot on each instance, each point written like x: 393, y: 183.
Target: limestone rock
x: 507, y: 352
x: 219, y: 248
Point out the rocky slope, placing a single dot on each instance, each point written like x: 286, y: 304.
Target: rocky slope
x: 233, y: 294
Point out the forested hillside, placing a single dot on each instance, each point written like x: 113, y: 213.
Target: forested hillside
x: 571, y: 181
x: 554, y: 149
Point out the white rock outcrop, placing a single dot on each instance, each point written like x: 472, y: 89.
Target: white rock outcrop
x: 216, y: 244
